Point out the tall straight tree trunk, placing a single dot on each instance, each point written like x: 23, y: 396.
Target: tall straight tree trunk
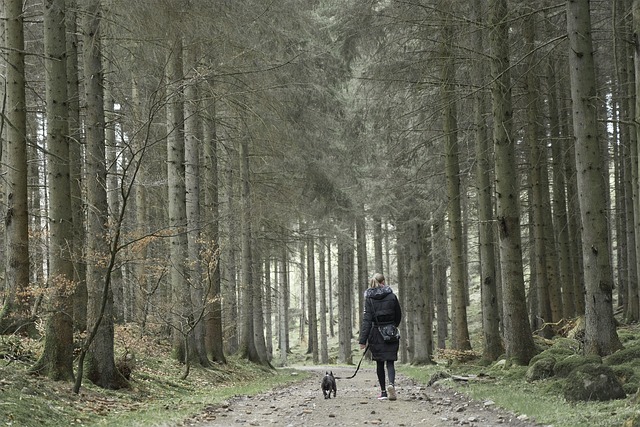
x: 427, y: 290
x: 635, y: 26
x: 183, y: 316
x: 283, y: 307
x: 517, y: 331
x: 257, y: 309
x: 377, y: 243
x: 303, y: 284
x: 492, y: 343
x: 573, y: 209
x: 56, y: 360
x: 100, y: 365
x: 254, y: 345
x: 459, y: 327
x: 440, y: 285
x: 345, y: 299
x: 330, y: 282
x: 634, y: 140
x: 312, y: 298
x: 561, y: 221
x: 418, y: 309
x: 403, y: 285
x: 193, y: 139
x: 268, y: 306
x: 214, y: 337
x: 232, y: 327
x: 140, y: 275
x: 542, y: 312
x: 322, y: 282
x: 75, y: 168
x: 112, y: 189
x: 363, y: 273
x: 15, y: 309
x: 600, y: 330
x: 632, y: 108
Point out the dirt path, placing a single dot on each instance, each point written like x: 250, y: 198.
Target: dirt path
x: 303, y: 404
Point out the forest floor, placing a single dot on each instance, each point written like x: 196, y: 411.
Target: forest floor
x: 357, y: 404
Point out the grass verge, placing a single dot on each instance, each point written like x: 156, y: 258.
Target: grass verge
x: 540, y: 400
x: 157, y: 396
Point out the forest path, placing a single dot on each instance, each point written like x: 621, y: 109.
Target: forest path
x: 356, y: 404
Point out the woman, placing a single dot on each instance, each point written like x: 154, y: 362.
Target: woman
x: 381, y: 307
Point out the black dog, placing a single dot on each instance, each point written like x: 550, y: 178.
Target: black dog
x: 328, y: 385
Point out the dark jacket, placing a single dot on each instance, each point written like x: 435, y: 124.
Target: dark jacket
x: 381, y: 307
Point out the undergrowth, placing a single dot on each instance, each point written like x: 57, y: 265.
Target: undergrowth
x: 157, y: 396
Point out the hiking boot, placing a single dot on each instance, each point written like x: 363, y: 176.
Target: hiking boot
x: 391, y: 390
x: 383, y: 396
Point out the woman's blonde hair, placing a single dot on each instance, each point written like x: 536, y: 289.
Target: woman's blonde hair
x: 376, y: 280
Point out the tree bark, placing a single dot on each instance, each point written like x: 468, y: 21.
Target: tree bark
x: 312, y: 298
x: 517, y: 331
x: 183, y: 315
x: 214, y: 337
x: 492, y: 344
x: 322, y: 291
x: 56, y: 360
x: 459, y: 327
x: 75, y: 168
x: 100, y: 364
x: 537, y: 160
x: 15, y: 309
x: 345, y: 299
x: 600, y: 330
x: 193, y: 140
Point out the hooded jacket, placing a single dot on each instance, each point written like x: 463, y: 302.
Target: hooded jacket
x: 381, y: 307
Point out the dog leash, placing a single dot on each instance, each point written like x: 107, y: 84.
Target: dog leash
x: 359, y: 363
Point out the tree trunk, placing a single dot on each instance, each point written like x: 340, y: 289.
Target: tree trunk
x: 100, y: 364
x: 363, y: 273
x: 233, y: 325
x: 56, y: 360
x: 112, y: 185
x: 559, y: 201
x: 324, y: 345
x: 542, y: 313
x: 575, y: 231
x: 268, y: 306
x: 600, y: 331
x: 403, y: 291
x: 440, y: 285
x: 517, y: 331
x: 345, y: 303
x: 183, y: 316
x: 418, y: 308
x: 312, y: 298
x: 214, y: 337
x: 377, y: 243
x: 15, y: 309
x: 459, y: 327
x: 255, y: 348
x: 75, y: 169
x: 283, y: 309
x: 492, y: 344
x: 192, y: 139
